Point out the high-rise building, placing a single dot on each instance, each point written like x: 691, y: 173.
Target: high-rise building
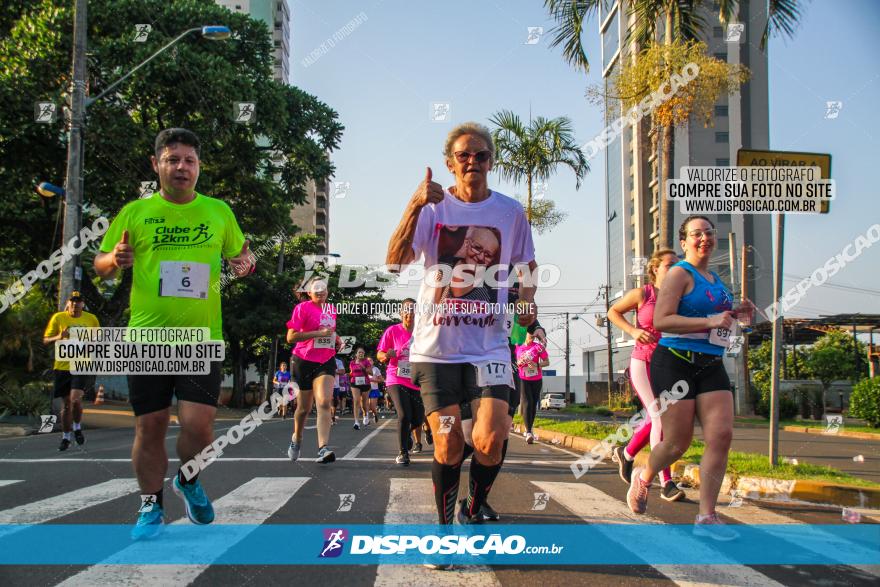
x: 632, y: 163
x: 314, y: 215
x: 276, y: 15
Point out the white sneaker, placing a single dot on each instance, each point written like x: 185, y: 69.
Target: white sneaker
x: 530, y: 438
x: 366, y: 420
x: 711, y: 526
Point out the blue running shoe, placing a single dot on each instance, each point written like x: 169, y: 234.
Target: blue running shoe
x: 198, y: 507
x: 149, y: 523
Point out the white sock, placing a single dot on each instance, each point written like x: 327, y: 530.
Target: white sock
x: 626, y: 455
x: 77, y: 425
x: 67, y: 435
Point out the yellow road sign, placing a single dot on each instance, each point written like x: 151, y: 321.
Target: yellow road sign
x: 757, y: 158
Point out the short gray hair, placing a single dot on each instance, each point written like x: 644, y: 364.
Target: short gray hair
x: 469, y: 128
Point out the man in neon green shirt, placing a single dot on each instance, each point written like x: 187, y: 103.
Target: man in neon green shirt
x: 173, y: 242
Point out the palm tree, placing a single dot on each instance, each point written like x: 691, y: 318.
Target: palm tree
x: 682, y: 22
x: 533, y: 153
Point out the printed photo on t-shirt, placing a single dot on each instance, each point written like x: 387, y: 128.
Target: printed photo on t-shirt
x: 466, y: 255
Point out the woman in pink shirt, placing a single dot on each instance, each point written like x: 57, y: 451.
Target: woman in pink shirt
x: 530, y: 357
x: 360, y: 369
x: 312, y: 326
x: 641, y: 300
x: 394, y: 348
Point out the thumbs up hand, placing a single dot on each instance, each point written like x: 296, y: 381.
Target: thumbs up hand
x: 245, y: 262
x: 428, y: 192
x: 123, y: 253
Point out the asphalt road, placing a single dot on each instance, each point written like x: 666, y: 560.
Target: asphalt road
x: 38, y: 484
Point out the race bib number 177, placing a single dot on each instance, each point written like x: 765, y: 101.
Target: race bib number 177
x: 494, y: 373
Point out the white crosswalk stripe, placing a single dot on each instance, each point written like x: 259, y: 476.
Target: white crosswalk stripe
x: 252, y: 503
x: 41, y: 511
x: 5, y: 482
x: 809, y: 538
x: 595, y: 506
x: 411, y: 501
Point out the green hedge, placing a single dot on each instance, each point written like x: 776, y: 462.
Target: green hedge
x: 865, y: 401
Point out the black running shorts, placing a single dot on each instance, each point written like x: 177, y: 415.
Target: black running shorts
x: 701, y: 371
x: 151, y: 393
x: 449, y: 384
x: 305, y: 372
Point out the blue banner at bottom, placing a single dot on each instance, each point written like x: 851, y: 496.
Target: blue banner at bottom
x: 585, y: 544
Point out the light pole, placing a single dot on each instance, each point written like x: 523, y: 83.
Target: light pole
x: 71, y: 272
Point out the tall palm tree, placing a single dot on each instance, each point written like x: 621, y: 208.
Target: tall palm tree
x: 533, y: 153
x: 683, y: 21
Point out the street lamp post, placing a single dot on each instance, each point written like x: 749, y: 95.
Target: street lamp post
x: 71, y: 272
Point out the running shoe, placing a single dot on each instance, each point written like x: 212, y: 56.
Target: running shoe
x: 417, y: 448
x: 637, y: 496
x: 530, y: 438
x: 462, y: 517
x: 438, y: 566
x: 624, y: 466
x: 65, y: 444
x: 402, y: 459
x: 149, y: 523
x: 671, y: 492
x: 712, y: 527
x: 366, y: 420
x: 78, y: 435
x: 293, y: 451
x: 429, y: 438
x: 356, y: 426
x: 198, y: 507
x: 325, y: 455
x: 488, y: 514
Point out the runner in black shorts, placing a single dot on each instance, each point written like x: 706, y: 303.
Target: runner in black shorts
x: 70, y: 388
x: 694, y: 312
x: 469, y: 236
x: 312, y: 326
x: 174, y: 286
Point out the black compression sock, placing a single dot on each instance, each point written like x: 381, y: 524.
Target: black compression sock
x: 504, y: 451
x: 445, y: 478
x: 482, y: 478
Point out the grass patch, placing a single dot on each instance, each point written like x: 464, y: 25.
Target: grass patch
x: 739, y: 464
x: 582, y: 428
x: 596, y: 410
x: 809, y: 424
x: 749, y: 464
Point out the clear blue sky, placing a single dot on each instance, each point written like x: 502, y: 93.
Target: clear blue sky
x: 384, y: 75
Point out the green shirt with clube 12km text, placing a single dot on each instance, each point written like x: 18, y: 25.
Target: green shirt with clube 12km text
x: 177, y: 257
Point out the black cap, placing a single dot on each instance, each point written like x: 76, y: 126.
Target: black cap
x: 75, y: 296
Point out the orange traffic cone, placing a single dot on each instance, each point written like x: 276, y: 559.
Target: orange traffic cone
x: 99, y: 397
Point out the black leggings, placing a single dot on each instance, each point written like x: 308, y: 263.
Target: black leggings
x: 530, y: 391
x: 410, y: 412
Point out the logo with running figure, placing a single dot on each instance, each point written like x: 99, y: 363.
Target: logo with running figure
x: 346, y: 501
x: 168, y: 237
x: 334, y: 542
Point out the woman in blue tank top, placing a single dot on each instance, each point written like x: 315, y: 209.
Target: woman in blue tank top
x: 694, y: 313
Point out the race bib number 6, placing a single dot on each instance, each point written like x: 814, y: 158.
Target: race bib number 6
x: 183, y: 279
x: 494, y: 373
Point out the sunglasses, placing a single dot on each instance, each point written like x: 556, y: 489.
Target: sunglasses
x: 465, y: 156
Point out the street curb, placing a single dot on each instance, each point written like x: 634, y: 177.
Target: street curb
x: 15, y: 431
x: 119, y: 413
x: 782, y: 490
x: 810, y: 430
